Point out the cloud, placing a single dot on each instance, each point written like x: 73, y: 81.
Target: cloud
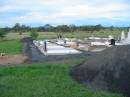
x: 63, y: 11
x: 85, y: 11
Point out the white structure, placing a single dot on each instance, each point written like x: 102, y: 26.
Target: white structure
x: 126, y: 40
x: 65, y: 42
x: 55, y: 49
x: 129, y: 34
x: 94, y: 38
x: 100, y: 43
x: 122, y: 35
x: 110, y: 37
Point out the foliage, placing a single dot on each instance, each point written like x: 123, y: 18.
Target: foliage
x: 17, y: 27
x: 3, y: 32
x: 34, y: 34
x: 20, y: 28
x: 72, y: 28
x: 63, y: 28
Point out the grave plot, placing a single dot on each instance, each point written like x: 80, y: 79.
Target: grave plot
x: 36, y: 53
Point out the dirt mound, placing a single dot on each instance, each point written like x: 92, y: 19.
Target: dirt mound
x: 109, y: 70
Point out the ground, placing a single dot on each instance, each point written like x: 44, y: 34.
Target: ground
x: 10, y: 47
x: 12, y: 59
x: 43, y: 80
x: 48, y: 79
x: 12, y: 50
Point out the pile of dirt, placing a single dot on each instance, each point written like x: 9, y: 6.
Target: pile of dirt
x: 109, y: 70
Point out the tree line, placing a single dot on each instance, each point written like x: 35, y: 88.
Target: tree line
x: 21, y: 28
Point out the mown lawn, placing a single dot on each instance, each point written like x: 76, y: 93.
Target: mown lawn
x: 10, y: 47
x: 40, y: 80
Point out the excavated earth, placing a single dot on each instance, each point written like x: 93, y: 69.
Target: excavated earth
x: 109, y: 70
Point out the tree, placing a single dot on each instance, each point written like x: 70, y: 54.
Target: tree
x: 17, y: 27
x: 111, y: 28
x: 48, y: 27
x: 20, y: 28
x: 3, y: 32
x: 63, y: 28
x: 98, y: 27
x: 23, y: 28
x: 72, y: 28
x: 41, y: 29
x: 34, y: 35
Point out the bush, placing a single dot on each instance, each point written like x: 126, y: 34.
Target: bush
x: 3, y: 32
x: 34, y: 35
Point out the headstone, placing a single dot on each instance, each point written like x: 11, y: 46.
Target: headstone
x: 127, y: 39
x: 128, y: 35
x: 122, y: 35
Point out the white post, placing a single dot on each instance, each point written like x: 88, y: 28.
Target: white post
x: 122, y: 35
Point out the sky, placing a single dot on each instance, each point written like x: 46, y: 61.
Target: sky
x: 58, y: 12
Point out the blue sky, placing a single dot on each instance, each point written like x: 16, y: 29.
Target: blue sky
x: 55, y: 12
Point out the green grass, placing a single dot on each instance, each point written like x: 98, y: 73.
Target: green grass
x: 10, y: 47
x: 101, y: 33
x: 42, y: 35
x: 40, y: 80
x: 80, y: 35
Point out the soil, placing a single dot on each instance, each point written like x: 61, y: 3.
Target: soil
x: 108, y: 70
x: 12, y: 59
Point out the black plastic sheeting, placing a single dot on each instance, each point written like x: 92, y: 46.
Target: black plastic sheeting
x: 109, y: 70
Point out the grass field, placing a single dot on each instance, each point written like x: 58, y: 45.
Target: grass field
x: 43, y: 80
x: 80, y: 35
x: 10, y: 47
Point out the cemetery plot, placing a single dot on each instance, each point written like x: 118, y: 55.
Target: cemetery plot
x: 49, y: 48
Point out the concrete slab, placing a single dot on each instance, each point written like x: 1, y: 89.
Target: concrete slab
x: 55, y: 49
